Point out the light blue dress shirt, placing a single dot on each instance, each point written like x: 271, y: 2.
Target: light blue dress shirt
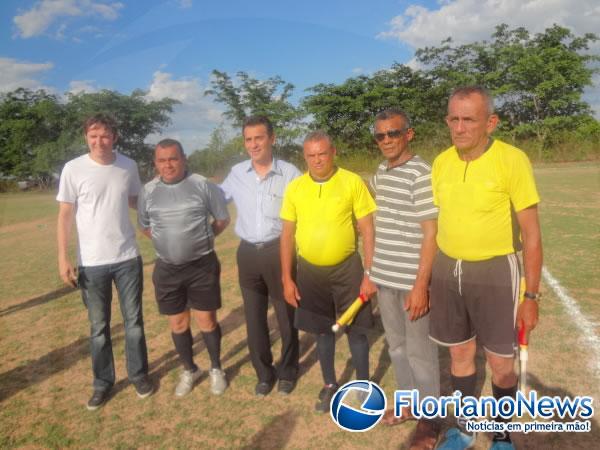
x: 257, y: 200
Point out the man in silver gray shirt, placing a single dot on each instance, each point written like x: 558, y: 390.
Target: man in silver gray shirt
x: 182, y: 213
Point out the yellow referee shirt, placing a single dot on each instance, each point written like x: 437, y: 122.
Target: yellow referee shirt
x: 323, y: 213
x: 474, y: 198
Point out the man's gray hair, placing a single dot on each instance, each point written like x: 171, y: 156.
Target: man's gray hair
x: 465, y: 91
x: 390, y: 113
x: 318, y: 135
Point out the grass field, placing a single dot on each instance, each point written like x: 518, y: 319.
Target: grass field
x: 45, y: 373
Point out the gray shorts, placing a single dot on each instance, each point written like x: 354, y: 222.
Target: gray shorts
x: 475, y: 300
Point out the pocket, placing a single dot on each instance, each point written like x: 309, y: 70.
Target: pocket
x: 272, y: 206
x: 488, y: 196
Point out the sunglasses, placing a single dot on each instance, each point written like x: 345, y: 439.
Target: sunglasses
x: 392, y: 134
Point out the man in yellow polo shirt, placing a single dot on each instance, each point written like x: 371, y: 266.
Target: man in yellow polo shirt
x: 484, y: 188
x: 319, y: 213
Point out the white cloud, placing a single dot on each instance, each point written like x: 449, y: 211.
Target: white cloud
x: 470, y: 20
x: 184, y: 4
x: 15, y: 74
x: 79, y: 86
x: 44, y: 13
x: 194, y: 118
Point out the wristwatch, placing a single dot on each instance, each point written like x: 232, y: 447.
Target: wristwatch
x: 533, y: 296
x: 368, y: 272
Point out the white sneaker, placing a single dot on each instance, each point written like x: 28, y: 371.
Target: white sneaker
x: 218, y: 382
x: 186, y: 382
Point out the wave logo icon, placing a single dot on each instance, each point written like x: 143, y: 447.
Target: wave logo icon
x: 372, y: 403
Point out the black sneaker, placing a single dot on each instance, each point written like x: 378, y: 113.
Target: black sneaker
x: 144, y: 387
x: 263, y: 388
x: 325, y: 396
x: 97, y: 400
x: 285, y: 387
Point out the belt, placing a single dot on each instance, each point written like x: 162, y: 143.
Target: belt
x: 261, y: 245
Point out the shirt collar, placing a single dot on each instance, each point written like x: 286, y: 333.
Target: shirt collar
x: 275, y: 167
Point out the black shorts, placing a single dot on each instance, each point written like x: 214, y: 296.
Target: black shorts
x: 194, y: 285
x: 475, y: 300
x: 326, y: 292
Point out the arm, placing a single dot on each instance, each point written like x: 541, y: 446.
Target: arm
x: 67, y: 272
x: 218, y: 226
x: 417, y: 300
x: 367, y: 231
x: 527, y: 314
x: 287, y: 252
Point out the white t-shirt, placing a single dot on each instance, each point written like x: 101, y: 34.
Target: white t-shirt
x: 100, y: 195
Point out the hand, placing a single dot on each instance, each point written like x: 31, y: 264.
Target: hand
x: 417, y: 302
x: 67, y: 273
x: 367, y: 287
x: 291, y: 293
x: 527, y: 315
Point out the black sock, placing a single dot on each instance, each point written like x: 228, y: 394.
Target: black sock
x: 498, y: 394
x: 183, y: 345
x: 326, y: 353
x: 359, y: 349
x: 466, y: 385
x: 212, y: 340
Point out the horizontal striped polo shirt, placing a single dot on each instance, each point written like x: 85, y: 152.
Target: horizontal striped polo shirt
x: 404, y: 200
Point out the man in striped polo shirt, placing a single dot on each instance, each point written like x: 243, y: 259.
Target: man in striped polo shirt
x: 405, y: 229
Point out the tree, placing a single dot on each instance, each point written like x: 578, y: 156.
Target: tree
x: 538, y: 80
x: 136, y: 116
x: 28, y: 120
x: 218, y: 156
x: 347, y: 111
x: 40, y: 132
x: 248, y: 96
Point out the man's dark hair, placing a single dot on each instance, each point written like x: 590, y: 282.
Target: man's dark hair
x: 252, y: 121
x: 390, y: 113
x: 101, y: 119
x: 465, y: 91
x: 165, y: 143
x: 317, y: 135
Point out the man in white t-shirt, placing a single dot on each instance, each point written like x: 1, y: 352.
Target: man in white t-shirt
x: 97, y: 189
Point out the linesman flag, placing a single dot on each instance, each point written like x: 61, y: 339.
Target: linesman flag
x: 349, y: 315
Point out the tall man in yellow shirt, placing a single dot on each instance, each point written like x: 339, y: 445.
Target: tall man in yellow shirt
x: 319, y: 211
x: 475, y: 277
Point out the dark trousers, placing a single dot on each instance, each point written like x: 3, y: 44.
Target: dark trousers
x: 260, y: 281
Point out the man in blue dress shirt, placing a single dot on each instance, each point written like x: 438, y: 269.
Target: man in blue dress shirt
x: 256, y: 186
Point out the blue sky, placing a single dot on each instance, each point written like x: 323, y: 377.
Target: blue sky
x: 170, y: 47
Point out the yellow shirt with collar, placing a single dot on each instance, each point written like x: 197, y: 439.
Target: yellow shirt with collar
x: 324, y: 213
x: 474, y: 199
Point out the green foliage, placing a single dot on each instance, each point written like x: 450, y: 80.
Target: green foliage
x: 218, y: 156
x: 347, y: 111
x: 248, y: 96
x: 537, y: 80
x: 136, y: 116
x: 39, y: 132
x: 27, y: 120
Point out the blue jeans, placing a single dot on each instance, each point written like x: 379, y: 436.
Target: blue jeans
x: 96, y: 290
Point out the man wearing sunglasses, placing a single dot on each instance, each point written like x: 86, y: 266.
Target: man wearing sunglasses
x: 405, y: 229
